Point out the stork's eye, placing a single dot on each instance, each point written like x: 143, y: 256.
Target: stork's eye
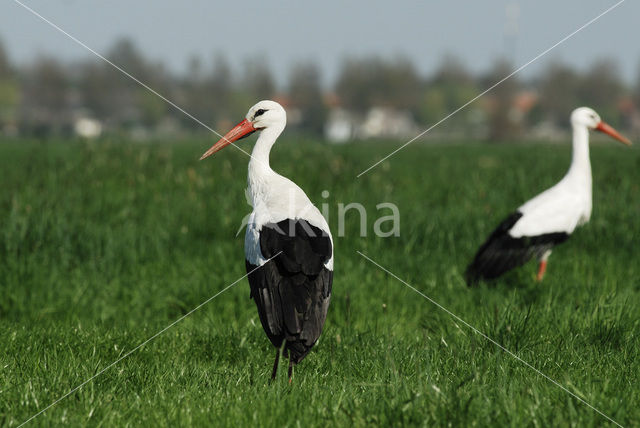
x: 259, y: 113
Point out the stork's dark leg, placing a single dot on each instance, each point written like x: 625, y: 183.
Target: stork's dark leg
x: 275, y: 364
x: 290, y: 369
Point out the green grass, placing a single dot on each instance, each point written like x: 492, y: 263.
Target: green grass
x: 104, y: 244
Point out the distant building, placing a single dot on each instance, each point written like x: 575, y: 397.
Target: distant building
x: 387, y: 123
x: 340, y: 126
x: 378, y: 122
x: 87, y: 127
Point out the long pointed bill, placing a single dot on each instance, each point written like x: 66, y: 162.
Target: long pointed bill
x: 241, y: 130
x: 608, y: 129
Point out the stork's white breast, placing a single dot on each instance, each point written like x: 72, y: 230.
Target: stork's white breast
x: 559, y: 209
x: 264, y: 214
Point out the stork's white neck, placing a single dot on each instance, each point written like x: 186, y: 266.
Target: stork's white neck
x: 580, y: 162
x: 260, y: 172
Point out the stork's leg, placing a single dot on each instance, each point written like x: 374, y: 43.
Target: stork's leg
x: 290, y: 369
x: 541, y: 270
x: 275, y: 364
x: 543, y: 265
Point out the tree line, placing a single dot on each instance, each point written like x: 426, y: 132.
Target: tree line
x: 46, y: 96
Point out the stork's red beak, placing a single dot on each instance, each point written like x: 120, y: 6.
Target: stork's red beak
x: 608, y: 129
x: 241, y: 130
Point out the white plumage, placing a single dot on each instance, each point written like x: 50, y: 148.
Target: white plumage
x: 274, y: 198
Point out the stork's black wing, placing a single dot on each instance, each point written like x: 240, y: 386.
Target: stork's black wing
x: 501, y: 252
x: 292, y: 291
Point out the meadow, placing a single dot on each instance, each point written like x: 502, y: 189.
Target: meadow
x: 103, y: 244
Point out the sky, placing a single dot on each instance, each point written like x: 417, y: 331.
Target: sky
x: 327, y: 32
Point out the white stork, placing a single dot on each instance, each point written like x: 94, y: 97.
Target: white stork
x: 549, y: 218
x: 288, y: 246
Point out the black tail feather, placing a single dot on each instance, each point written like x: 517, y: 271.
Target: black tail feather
x: 501, y: 252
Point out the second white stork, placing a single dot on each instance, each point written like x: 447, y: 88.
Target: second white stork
x: 549, y: 218
x: 288, y: 245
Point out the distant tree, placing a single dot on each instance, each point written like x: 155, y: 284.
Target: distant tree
x: 5, y: 65
x: 355, y: 81
x: 150, y: 109
x: 364, y: 83
x: 636, y: 89
x: 127, y: 56
x: 633, y: 114
x: 305, y: 93
x: 9, y: 92
x: 400, y: 84
x: 258, y: 81
x: 194, y: 94
x: 559, y: 88
x: 221, y: 88
x: 450, y: 87
x: 452, y: 71
x: 46, y: 106
x: 503, y: 124
x: 118, y: 100
x: 101, y: 90
x: 207, y: 91
x: 601, y: 88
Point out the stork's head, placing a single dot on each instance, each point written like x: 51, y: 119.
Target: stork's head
x: 267, y: 114
x: 264, y: 115
x: 584, y: 116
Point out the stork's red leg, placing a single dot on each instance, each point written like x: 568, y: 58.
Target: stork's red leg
x: 290, y: 369
x: 541, y: 270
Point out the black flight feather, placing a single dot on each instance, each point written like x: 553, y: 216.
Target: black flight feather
x: 501, y: 252
x: 292, y: 291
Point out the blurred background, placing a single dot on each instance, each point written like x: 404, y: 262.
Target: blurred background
x: 111, y: 229
x: 357, y: 71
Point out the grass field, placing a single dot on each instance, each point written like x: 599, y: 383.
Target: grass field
x: 104, y: 244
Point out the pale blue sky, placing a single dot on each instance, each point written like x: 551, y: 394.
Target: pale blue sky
x: 328, y: 31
